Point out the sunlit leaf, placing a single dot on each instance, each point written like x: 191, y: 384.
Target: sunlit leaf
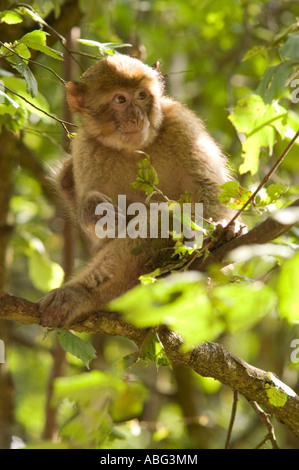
x: 250, y: 153
x: 19, y: 85
x: 37, y: 40
x: 180, y: 301
x: 76, y: 346
x: 10, y: 17
x: 152, y: 350
x: 44, y: 273
x: 272, y: 84
x: 277, y: 391
x: 81, y: 388
x: 288, y: 290
x: 242, y: 305
x: 233, y: 195
x: 276, y: 397
x: 31, y: 83
x: 258, y: 121
x: 256, y: 50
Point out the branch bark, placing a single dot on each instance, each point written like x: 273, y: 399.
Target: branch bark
x: 208, y: 359
x: 265, y: 232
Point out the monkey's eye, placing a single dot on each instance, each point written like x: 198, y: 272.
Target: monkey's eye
x: 142, y: 95
x: 120, y: 99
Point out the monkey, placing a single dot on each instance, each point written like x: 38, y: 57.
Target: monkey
x: 124, y: 110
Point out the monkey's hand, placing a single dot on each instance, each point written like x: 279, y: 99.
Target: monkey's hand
x: 93, y: 206
x: 61, y: 307
x: 236, y: 229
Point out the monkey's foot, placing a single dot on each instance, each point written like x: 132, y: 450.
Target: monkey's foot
x: 61, y: 307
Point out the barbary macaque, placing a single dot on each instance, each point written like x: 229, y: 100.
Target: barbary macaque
x: 123, y: 110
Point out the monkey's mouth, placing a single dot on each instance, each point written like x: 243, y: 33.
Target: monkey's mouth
x: 136, y: 135
x: 132, y: 128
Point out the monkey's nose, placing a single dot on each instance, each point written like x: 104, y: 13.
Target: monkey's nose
x: 132, y: 125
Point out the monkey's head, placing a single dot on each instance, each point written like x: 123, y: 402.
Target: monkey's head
x: 119, y: 101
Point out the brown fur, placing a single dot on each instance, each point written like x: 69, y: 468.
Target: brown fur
x: 104, y: 162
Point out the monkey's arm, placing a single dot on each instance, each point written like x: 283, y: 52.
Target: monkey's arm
x: 112, y: 271
x: 81, y: 211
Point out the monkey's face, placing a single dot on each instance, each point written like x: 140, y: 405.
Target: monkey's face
x: 119, y: 101
x: 129, y: 113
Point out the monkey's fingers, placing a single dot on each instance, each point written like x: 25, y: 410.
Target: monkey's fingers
x: 60, y: 307
x: 236, y: 229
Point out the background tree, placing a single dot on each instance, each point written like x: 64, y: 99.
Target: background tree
x: 236, y: 64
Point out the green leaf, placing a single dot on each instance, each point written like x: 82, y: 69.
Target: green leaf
x: 272, y: 84
x: 243, y: 305
x: 10, y: 17
x: 128, y: 360
x: 44, y: 273
x: 81, y: 388
x: 152, y: 350
x: 246, y: 112
x: 180, y: 301
x: 290, y: 49
x: 37, y: 40
x: 31, y: 83
x: 7, y: 109
x: 128, y: 401
x: 250, y: 153
x: 277, y: 391
x: 233, y: 195
x: 76, y: 346
x: 276, y: 397
x: 146, y: 177
x: 19, y: 85
x: 258, y: 121
x: 22, y: 49
x: 104, y: 47
x: 256, y: 50
x: 14, y: 104
x: 273, y: 193
x: 33, y: 14
x: 251, y: 114
x: 288, y: 290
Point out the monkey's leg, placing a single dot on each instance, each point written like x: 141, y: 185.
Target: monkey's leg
x: 112, y: 272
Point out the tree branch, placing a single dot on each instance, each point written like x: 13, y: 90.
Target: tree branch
x: 265, y: 232
x: 213, y: 360
x: 208, y: 359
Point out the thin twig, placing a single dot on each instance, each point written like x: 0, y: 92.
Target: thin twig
x: 33, y: 62
x: 292, y: 77
x: 232, y: 419
x: 60, y: 37
x: 264, y: 181
x: 221, y: 232
x: 40, y: 20
x: 63, y: 123
x: 85, y: 54
x: 265, y: 418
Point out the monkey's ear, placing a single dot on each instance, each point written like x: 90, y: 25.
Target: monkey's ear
x: 75, y: 96
x: 156, y: 66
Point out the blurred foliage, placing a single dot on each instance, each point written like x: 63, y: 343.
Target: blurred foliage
x: 234, y: 62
